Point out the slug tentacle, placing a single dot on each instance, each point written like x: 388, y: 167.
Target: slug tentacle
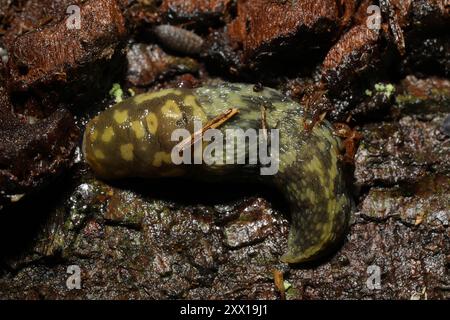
x: 134, y: 139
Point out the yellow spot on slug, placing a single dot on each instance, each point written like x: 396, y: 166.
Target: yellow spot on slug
x: 190, y: 101
x: 120, y: 116
x: 171, y: 110
x: 315, y: 165
x: 94, y: 135
x: 152, y: 122
x: 153, y: 95
x: 99, y: 154
x: 138, y: 129
x: 311, y: 196
x: 332, y: 207
x: 108, y: 134
x: 160, y: 158
x: 197, y: 111
x: 287, y: 159
x: 322, y: 146
x: 126, y: 151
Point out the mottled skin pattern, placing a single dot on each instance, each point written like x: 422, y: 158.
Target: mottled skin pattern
x: 132, y: 139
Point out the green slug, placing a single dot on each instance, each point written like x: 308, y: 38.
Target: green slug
x: 133, y: 139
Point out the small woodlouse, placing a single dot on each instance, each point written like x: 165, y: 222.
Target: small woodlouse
x: 178, y: 39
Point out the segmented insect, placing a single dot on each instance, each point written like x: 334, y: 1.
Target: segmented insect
x: 133, y: 139
x: 179, y: 39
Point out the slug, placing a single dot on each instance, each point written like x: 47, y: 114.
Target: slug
x: 133, y: 139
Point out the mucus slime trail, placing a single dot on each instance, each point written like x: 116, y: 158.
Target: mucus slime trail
x: 133, y: 139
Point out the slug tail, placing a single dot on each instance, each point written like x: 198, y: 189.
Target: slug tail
x: 313, y: 182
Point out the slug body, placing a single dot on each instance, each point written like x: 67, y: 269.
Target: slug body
x: 133, y: 139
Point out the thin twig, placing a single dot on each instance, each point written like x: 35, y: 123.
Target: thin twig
x: 213, y: 124
x: 279, y: 283
x: 264, y: 122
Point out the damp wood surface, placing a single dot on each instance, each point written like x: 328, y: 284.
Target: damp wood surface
x: 138, y: 239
